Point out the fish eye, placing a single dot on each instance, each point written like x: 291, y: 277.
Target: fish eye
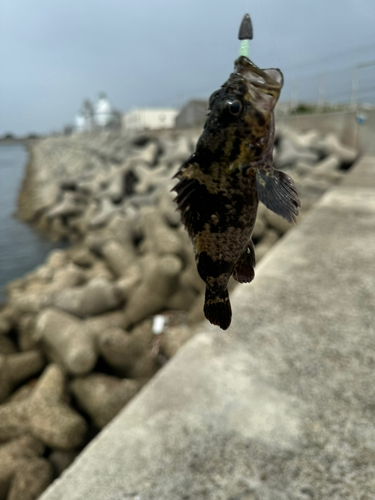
x: 235, y: 107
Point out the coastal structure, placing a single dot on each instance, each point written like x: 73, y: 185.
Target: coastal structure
x: 98, y: 116
x: 102, y: 111
x: 85, y: 298
x: 80, y: 124
x: 149, y: 118
x: 88, y: 113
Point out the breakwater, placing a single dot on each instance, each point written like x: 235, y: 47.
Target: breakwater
x: 97, y: 320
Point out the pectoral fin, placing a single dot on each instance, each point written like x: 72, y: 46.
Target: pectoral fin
x: 276, y: 190
x: 243, y: 271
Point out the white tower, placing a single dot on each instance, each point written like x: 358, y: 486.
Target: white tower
x: 80, y: 124
x: 103, y: 111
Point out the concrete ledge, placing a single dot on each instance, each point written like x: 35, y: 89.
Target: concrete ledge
x: 363, y: 175
x: 282, y: 405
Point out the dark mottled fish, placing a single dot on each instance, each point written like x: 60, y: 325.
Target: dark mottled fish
x: 230, y: 171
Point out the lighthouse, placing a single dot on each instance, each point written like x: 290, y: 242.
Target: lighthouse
x: 103, y: 111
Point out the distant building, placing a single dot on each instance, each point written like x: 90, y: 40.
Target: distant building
x: 80, y: 124
x: 116, y: 120
x: 149, y: 119
x: 98, y: 116
x: 103, y: 113
x: 193, y: 114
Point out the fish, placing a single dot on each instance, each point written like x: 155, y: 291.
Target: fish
x: 231, y: 170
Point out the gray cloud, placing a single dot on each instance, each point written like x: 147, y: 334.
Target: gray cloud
x: 55, y: 54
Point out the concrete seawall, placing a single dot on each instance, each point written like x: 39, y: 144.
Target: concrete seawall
x: 344, y: 125
x: 282, y: 405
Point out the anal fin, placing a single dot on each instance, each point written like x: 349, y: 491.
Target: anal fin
x: 277, y: 191
x: 243, y: 271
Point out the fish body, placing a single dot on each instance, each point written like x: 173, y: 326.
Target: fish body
x: 221, y: 184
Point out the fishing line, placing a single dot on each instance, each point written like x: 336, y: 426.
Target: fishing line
x: 343, y: 53
x: 270, y: 31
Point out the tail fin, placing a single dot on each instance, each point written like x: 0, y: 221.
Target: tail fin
x: 217, y: 308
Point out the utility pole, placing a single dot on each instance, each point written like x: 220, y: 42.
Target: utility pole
x: 354, y: 89
x: 321, y: 91
x: 294, y: 95
x: 355, y: 81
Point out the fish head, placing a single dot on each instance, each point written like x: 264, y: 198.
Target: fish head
x: 240, y: 123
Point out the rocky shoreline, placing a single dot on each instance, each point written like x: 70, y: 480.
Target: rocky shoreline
x: 85, y: 331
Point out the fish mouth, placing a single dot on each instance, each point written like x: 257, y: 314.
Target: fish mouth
x: 264, y: 85
x: 268, y: 81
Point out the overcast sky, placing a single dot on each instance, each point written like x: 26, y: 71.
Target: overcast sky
x: 55, y: 53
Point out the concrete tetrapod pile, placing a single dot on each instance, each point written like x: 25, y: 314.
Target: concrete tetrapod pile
x: 281, y: 405
x: 85, y: 331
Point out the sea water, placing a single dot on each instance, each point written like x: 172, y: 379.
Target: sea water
x: 21, y: 248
